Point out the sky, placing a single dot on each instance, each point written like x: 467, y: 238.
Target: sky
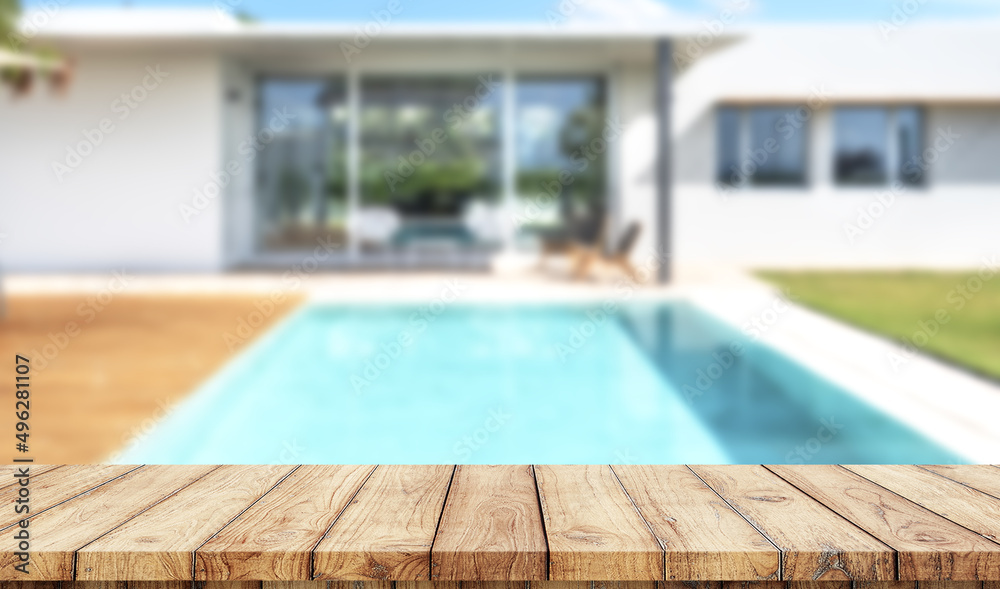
x: 543, y: 10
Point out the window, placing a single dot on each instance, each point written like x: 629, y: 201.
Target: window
x: 302, y: 169
x: 874, y: 145
x: 762, y: 146
x: 429, y: 145
x: 910, y: 139
x: 728, y: 131
x: 562, y: 138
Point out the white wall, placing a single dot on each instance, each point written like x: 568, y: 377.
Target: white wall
x: 119, y: 207
x: 239, y: 123
x: 636, y: 159
x: 951, y: 222
x: 948, y: 223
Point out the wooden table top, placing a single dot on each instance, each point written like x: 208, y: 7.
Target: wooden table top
x: 504, y: 523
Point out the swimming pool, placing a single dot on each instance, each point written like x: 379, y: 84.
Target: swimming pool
x: 643, y: 383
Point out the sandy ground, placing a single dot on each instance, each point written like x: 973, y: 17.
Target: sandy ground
x: 106, y: 367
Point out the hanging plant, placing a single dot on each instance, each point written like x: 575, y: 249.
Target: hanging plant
x: 20, y: 67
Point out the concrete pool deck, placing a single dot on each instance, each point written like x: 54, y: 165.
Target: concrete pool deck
x: 946, y: 404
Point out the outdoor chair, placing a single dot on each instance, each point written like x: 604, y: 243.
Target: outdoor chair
x: 587, y: 257
x: 580, y: 233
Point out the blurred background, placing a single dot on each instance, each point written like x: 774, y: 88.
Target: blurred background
x: 813, y: 180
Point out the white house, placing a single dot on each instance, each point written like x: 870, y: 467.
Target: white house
x: 189, y: 141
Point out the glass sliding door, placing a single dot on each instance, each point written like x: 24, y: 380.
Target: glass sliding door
x: 430, y: 152
x: 562, y: 139
x: 302, y: 167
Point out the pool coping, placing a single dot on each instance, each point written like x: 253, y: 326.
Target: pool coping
x: 954, y: 408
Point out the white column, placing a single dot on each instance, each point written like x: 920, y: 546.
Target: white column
x: 509, y: 164
x: 353, y: 160
x: 612, y: 164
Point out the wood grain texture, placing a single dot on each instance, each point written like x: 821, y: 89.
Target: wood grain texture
x: 885, y: 585
x: 229, y: 585
x: 491, y: 527
x: 754, y: 585
x: 819, y: 584
x: 7, y: 472
x: 622, y: 585
x: 427, y: 585
x: 949, y: 585
x: 292, y: 585
x: 31, y: 585
x: 94, y: 585
x: 560, y: 585
x: 274, y: 539
x: 130, y: 364
x: 593, y: 529
x: 929, y: 547
x: 981, y: 477
x: 159, y: 544
x: 690, y: 584
x: 703, y: 537
x: 387, y: 531
x: 961, y: 504
x: 494, y: 585
x: 60, y: 531
x: 56, y: 487
x: 158, y: 585
x: 816, y: 544
x: 355, y: 584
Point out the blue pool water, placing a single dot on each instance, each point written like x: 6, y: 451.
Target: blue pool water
x: 503, y: 384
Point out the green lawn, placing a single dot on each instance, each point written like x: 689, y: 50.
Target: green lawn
x: 955, y: 316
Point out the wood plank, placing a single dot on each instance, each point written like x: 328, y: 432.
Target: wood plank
x: 491, y: 528
x: 560, y: 585
x: 94, y: 585
x: 358, y: 584
x: 885, y: 585
x: 981, y: 477
x: 816, y: 544
x: 158, y: 585
x: 30, y: 585
x: 704, y: 539
x: 494, y: 584
x: 427, y: 585
x: 754, y: 585
x: 619, y: 585
x: 34, y: 470
x: 929, y: 547
x: 292, y: 585
x: 59, y: 532
x: 592, y: 527
x: 387, y: 531
x: 949, y: 585
x: 227, y: 585
x: 961, y: 504
x: 274, y: 539
x: 55, y: 487
x: 819, y: 585
x: 159, y: 544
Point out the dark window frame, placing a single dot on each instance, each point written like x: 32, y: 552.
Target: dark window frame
x: 897, y: 162
x: 746, y: 175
